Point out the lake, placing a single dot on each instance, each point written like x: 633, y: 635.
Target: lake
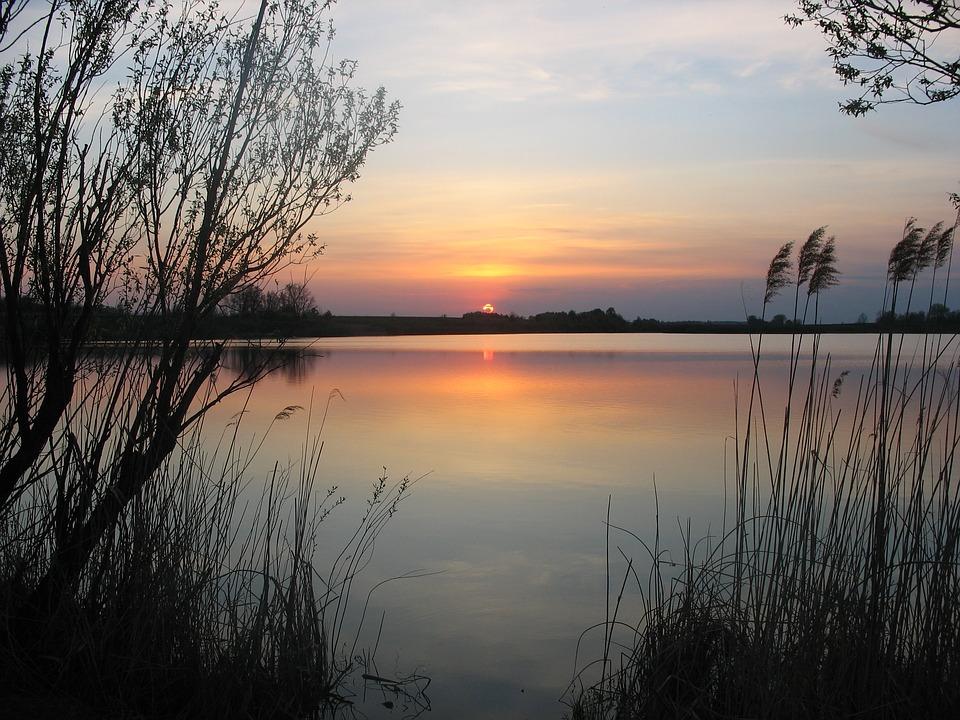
x: 519, y: 441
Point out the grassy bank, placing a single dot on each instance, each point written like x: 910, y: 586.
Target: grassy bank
x: 833, y: 588
x: 207, y: 600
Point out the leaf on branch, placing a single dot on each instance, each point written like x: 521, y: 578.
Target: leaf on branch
x: 895, y: 51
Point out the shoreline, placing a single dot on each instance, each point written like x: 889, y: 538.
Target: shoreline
x: 388, y: 326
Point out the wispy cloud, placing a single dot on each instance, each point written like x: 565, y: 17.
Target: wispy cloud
x: 575, y: 51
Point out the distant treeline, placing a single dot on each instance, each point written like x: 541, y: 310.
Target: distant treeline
x: 304, y: 319
x: 313, y: 323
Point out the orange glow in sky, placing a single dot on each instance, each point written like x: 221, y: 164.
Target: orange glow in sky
x: 659, y: 177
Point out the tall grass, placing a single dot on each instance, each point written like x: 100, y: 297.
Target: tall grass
x: 208, y: 600
x: 833, y: 589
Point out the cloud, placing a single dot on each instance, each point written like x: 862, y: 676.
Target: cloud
x: 578, y: 52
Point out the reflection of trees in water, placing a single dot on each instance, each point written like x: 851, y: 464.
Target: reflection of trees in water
x: 294, y: 364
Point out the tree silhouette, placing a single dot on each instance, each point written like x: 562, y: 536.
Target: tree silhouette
x: 192, y: 181
x: 894, y: 51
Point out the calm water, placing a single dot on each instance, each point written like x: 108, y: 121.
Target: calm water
x: 522, y: 439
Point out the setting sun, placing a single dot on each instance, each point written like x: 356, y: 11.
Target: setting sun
x: 488, y: 309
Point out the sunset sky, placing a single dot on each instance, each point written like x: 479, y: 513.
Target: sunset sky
x: 648, y: 155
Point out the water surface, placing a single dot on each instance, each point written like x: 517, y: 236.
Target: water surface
x: 521, y: 440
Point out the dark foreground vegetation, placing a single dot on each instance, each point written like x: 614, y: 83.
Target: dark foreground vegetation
x: 160, y: 159
x: 204, y: 601
x: 833, y: 588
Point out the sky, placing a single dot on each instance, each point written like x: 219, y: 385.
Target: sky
x: 646, y: 155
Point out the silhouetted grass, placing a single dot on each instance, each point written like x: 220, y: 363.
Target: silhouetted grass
x: 207, y: 601
x: 833, y: 589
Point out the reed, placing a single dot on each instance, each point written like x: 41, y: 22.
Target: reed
x: 833, y: 589
x: 207, y: 600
